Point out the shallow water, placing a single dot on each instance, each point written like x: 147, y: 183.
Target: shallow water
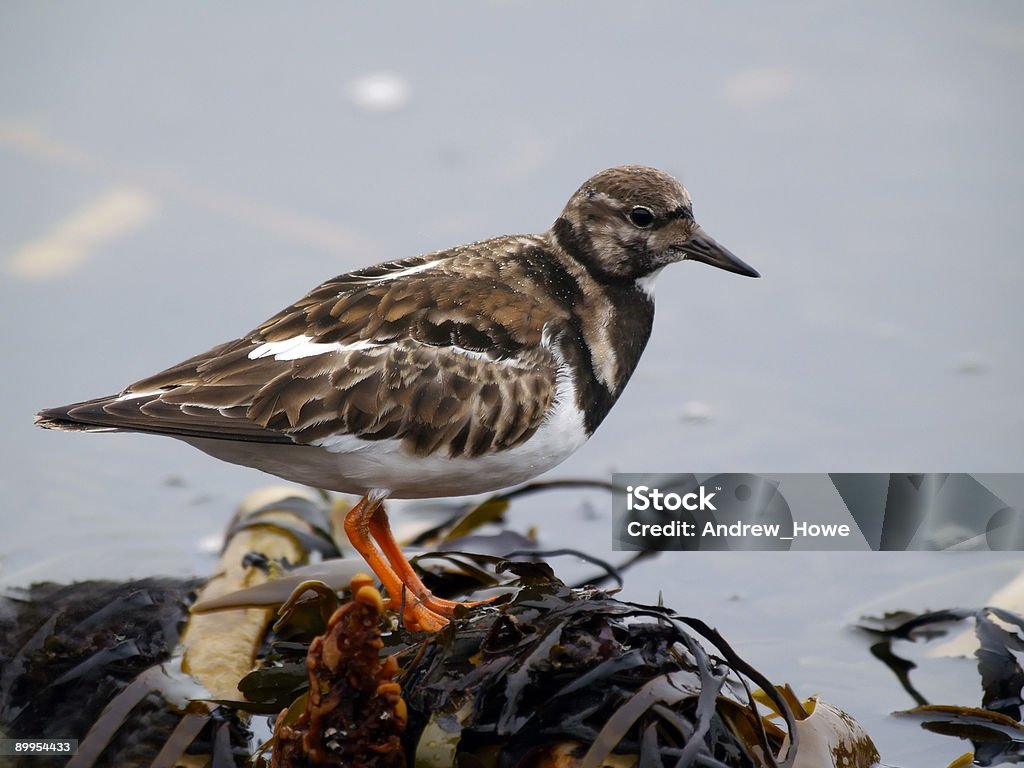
x: 172, y: 179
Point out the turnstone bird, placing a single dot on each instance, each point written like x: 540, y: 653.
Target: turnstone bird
x: 458, y: 372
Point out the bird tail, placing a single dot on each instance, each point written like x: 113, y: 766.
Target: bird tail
x: 77, y: 417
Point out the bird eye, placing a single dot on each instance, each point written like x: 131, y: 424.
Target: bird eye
x: 641, y: 217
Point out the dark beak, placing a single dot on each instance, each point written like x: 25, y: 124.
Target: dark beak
x: 702, y: 247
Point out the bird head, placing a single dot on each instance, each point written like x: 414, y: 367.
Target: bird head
x: 628, y: 222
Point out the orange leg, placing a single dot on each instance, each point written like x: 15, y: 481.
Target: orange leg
x: 358, y: 524
x: 380, y: 529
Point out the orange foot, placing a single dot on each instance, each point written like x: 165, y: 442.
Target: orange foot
x: 367, y: 522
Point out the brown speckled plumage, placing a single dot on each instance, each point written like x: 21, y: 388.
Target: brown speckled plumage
x: 459, y: 353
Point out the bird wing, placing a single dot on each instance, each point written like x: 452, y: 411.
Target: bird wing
x: 409, y: 351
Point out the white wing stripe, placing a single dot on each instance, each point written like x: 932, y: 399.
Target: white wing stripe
x: 303, y: 346
x: 396, y: 274
x: 298, y: 347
